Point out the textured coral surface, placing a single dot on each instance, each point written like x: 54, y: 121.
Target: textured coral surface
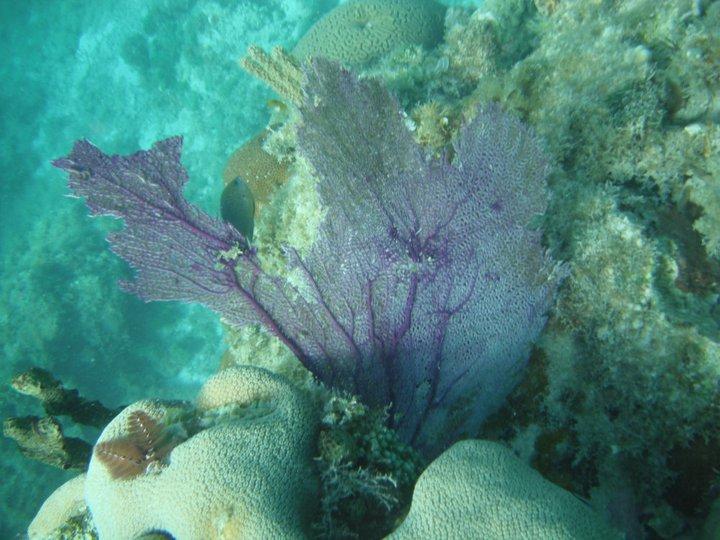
x: 360, y: 31
x: 479, y: 489
x: 244, y: 470
x: 425, y: 285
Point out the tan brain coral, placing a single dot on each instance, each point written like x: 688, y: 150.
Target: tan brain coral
x: 360, y: 31
x: 245, y: 473
x: 65, y: 503
x: 479, y: 489
x: 262, y: 171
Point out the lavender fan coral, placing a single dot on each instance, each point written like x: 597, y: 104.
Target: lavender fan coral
x: 425, y: 285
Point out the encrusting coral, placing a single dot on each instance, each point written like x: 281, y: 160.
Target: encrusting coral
x: 262, y: 171
x: 243, y: 470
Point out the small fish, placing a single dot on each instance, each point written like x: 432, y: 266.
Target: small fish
x: 237, y: 206
x: 277, y: 105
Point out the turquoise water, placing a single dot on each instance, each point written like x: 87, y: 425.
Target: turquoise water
x: 621, y: 404
x: 121, y: 74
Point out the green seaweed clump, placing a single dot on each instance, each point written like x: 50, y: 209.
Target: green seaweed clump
x: 366, y: 473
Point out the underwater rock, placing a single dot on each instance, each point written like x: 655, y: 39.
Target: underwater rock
x: 244, y: 469
x: 480, y: 489
x: 361, y: 31
x: 237, y: 206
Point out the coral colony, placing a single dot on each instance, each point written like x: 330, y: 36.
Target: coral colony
x: 425, y: 285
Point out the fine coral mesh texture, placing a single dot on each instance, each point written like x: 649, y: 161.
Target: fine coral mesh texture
x: 425, y: 286
x: 453, y: 283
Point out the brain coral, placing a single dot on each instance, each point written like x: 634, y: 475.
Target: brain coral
x: 479, y: 489
x: 64, y: 503
x: 262, y: 171
x: 245, y: 473
x: 360, y: 31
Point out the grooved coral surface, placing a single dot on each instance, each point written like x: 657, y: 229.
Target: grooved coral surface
x: 359, y: 32
x: 248, y: 475
x: 479, y: 489
x: 65, y: 502
x: 260, y: 170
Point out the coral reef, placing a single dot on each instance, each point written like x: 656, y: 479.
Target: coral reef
x: 620, y: 405
x: 244, y: 468
x: 479, y: 489
x: 636, y: 316
x: 425, y: 250
x: 626, y: 95
x: 360, y: 31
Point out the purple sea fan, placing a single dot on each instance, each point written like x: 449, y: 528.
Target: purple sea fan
x: 425, y: 286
